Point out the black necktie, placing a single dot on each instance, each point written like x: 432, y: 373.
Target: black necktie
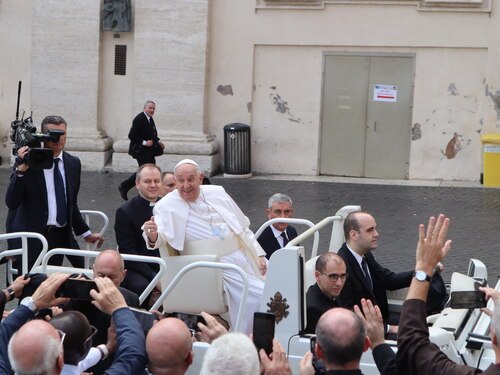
x: 60, y: 195
x: 285, y: 238
x: 367, y: 275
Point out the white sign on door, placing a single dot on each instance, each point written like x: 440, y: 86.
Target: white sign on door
x: 385, y: 93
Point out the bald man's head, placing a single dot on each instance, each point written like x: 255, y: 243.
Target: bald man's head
x: 109, y: 263
x: 169, y: 347
x: 36, y: 346
x: 341, y: 339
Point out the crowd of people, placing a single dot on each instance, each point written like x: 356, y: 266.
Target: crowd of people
x: 177, y: 214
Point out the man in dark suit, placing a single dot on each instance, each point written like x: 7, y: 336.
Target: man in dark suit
x: 330, y: 277
x: 367, y: 279
x: 129, y: 219
x: 45, y: 201
x: 276, y: 236
x: 144, y: 143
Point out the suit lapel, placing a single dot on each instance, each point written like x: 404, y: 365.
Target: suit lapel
x: 358, y: 272
x: 40, y: 180
x: 68, y: 175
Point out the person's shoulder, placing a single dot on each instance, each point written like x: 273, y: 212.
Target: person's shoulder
x: 344, y: 251
x: 212, y: 189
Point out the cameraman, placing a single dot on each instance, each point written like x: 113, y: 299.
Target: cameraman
x: 45, y: 200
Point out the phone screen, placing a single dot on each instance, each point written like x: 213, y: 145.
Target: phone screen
x: 77, y: 289
x: 145, y: 318
x: 468, y: 300
x: 263, y: 331
x: 191, y: 320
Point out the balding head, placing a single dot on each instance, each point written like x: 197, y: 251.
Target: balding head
x: 36, y: 349
x: 360, y: 231
x: 169, y: 347
x: 109, y: 263
x: 340, y: 339
x: 78, y: 330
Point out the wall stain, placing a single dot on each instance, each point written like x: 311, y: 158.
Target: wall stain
x: 452, y: 89
x: 225, y: 90
x: 249, y: 107
x: 453, y: 147
x: 281, y: 105
x: 416, y: 132
x: 495, y: 97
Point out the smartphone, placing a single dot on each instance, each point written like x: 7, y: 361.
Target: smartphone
x: 77, y: 289
x: 263, y: 331
x: 191, y: 320
x: 319, y: 367
x: 145, y: 318
x: 468, y: 299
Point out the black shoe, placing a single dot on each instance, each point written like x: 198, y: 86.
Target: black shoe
x: 123, y: 193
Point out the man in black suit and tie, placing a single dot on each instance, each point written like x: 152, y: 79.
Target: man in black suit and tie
x: 276, y: 236
x: 367, y: 279
x: 45, y: 200
x: 330, y: 277
x: 128, y: 223
x: 144, y: 143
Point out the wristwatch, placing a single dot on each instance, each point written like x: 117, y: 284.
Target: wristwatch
x: 11, y: 293
x: 421, y: 276
x: 29, y: 303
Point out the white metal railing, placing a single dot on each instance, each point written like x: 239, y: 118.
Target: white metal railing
x: 337, y: 237
x: 87, y: 214
x: 22, y: 251
x: 223, y: 266
x: 46, y: 268
x: 309, y: 223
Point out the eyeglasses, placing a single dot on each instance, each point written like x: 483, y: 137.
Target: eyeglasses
x: 62, y: 335
x: 88, y: 341
x: 335, y: 276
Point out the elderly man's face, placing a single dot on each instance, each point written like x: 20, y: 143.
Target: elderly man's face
x: 277, y: 210
x: 188, y: 181
x: 110, y: 267
x: 150, y: 109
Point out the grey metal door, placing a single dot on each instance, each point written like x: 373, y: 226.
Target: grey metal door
x: 366, y: 116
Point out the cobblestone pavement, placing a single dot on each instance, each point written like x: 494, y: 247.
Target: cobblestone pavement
x: 475, y: 213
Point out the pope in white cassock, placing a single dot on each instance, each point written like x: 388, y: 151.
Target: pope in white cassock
x: 203, y: 219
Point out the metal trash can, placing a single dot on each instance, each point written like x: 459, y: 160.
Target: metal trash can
x: 491, y: 159
x: 237, y: 155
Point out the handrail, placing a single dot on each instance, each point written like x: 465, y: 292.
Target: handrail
x: 292, y: 221
x: 92, y: 254
x: 104, y: 217
x: 202, y: 264
x: 23, y: 251
x: 323, y: 223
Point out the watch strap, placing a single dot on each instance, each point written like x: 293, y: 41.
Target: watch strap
x: 11, y: 293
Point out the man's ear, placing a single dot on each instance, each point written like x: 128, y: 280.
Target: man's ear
x: 317, y: 274
x: 268, y: 213
x: 59, y: 363
x: 367, y: 344
x: 320, y: 354
x: 494, y: 340
x: 189, y: 358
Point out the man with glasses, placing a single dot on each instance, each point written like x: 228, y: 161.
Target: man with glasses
x: 78, y: 342
x: 330, y: 277
x: 277, y: 236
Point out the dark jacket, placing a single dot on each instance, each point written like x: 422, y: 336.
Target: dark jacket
x: 383, y: 279
x: 142, y: 130
x: 270, y: 244
x: 28, y: 196
x: 317, y: 303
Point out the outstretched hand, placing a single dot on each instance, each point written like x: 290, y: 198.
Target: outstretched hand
x: 373, y: 321
x: 432, y: 245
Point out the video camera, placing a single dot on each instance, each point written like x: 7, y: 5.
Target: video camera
x: 23, y: 133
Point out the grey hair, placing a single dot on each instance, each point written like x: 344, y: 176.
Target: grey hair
x: 52, y: 119
x: 47, y: 357
x: 240, y: 359
x: 147, y: 102
x: 279, y: 197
